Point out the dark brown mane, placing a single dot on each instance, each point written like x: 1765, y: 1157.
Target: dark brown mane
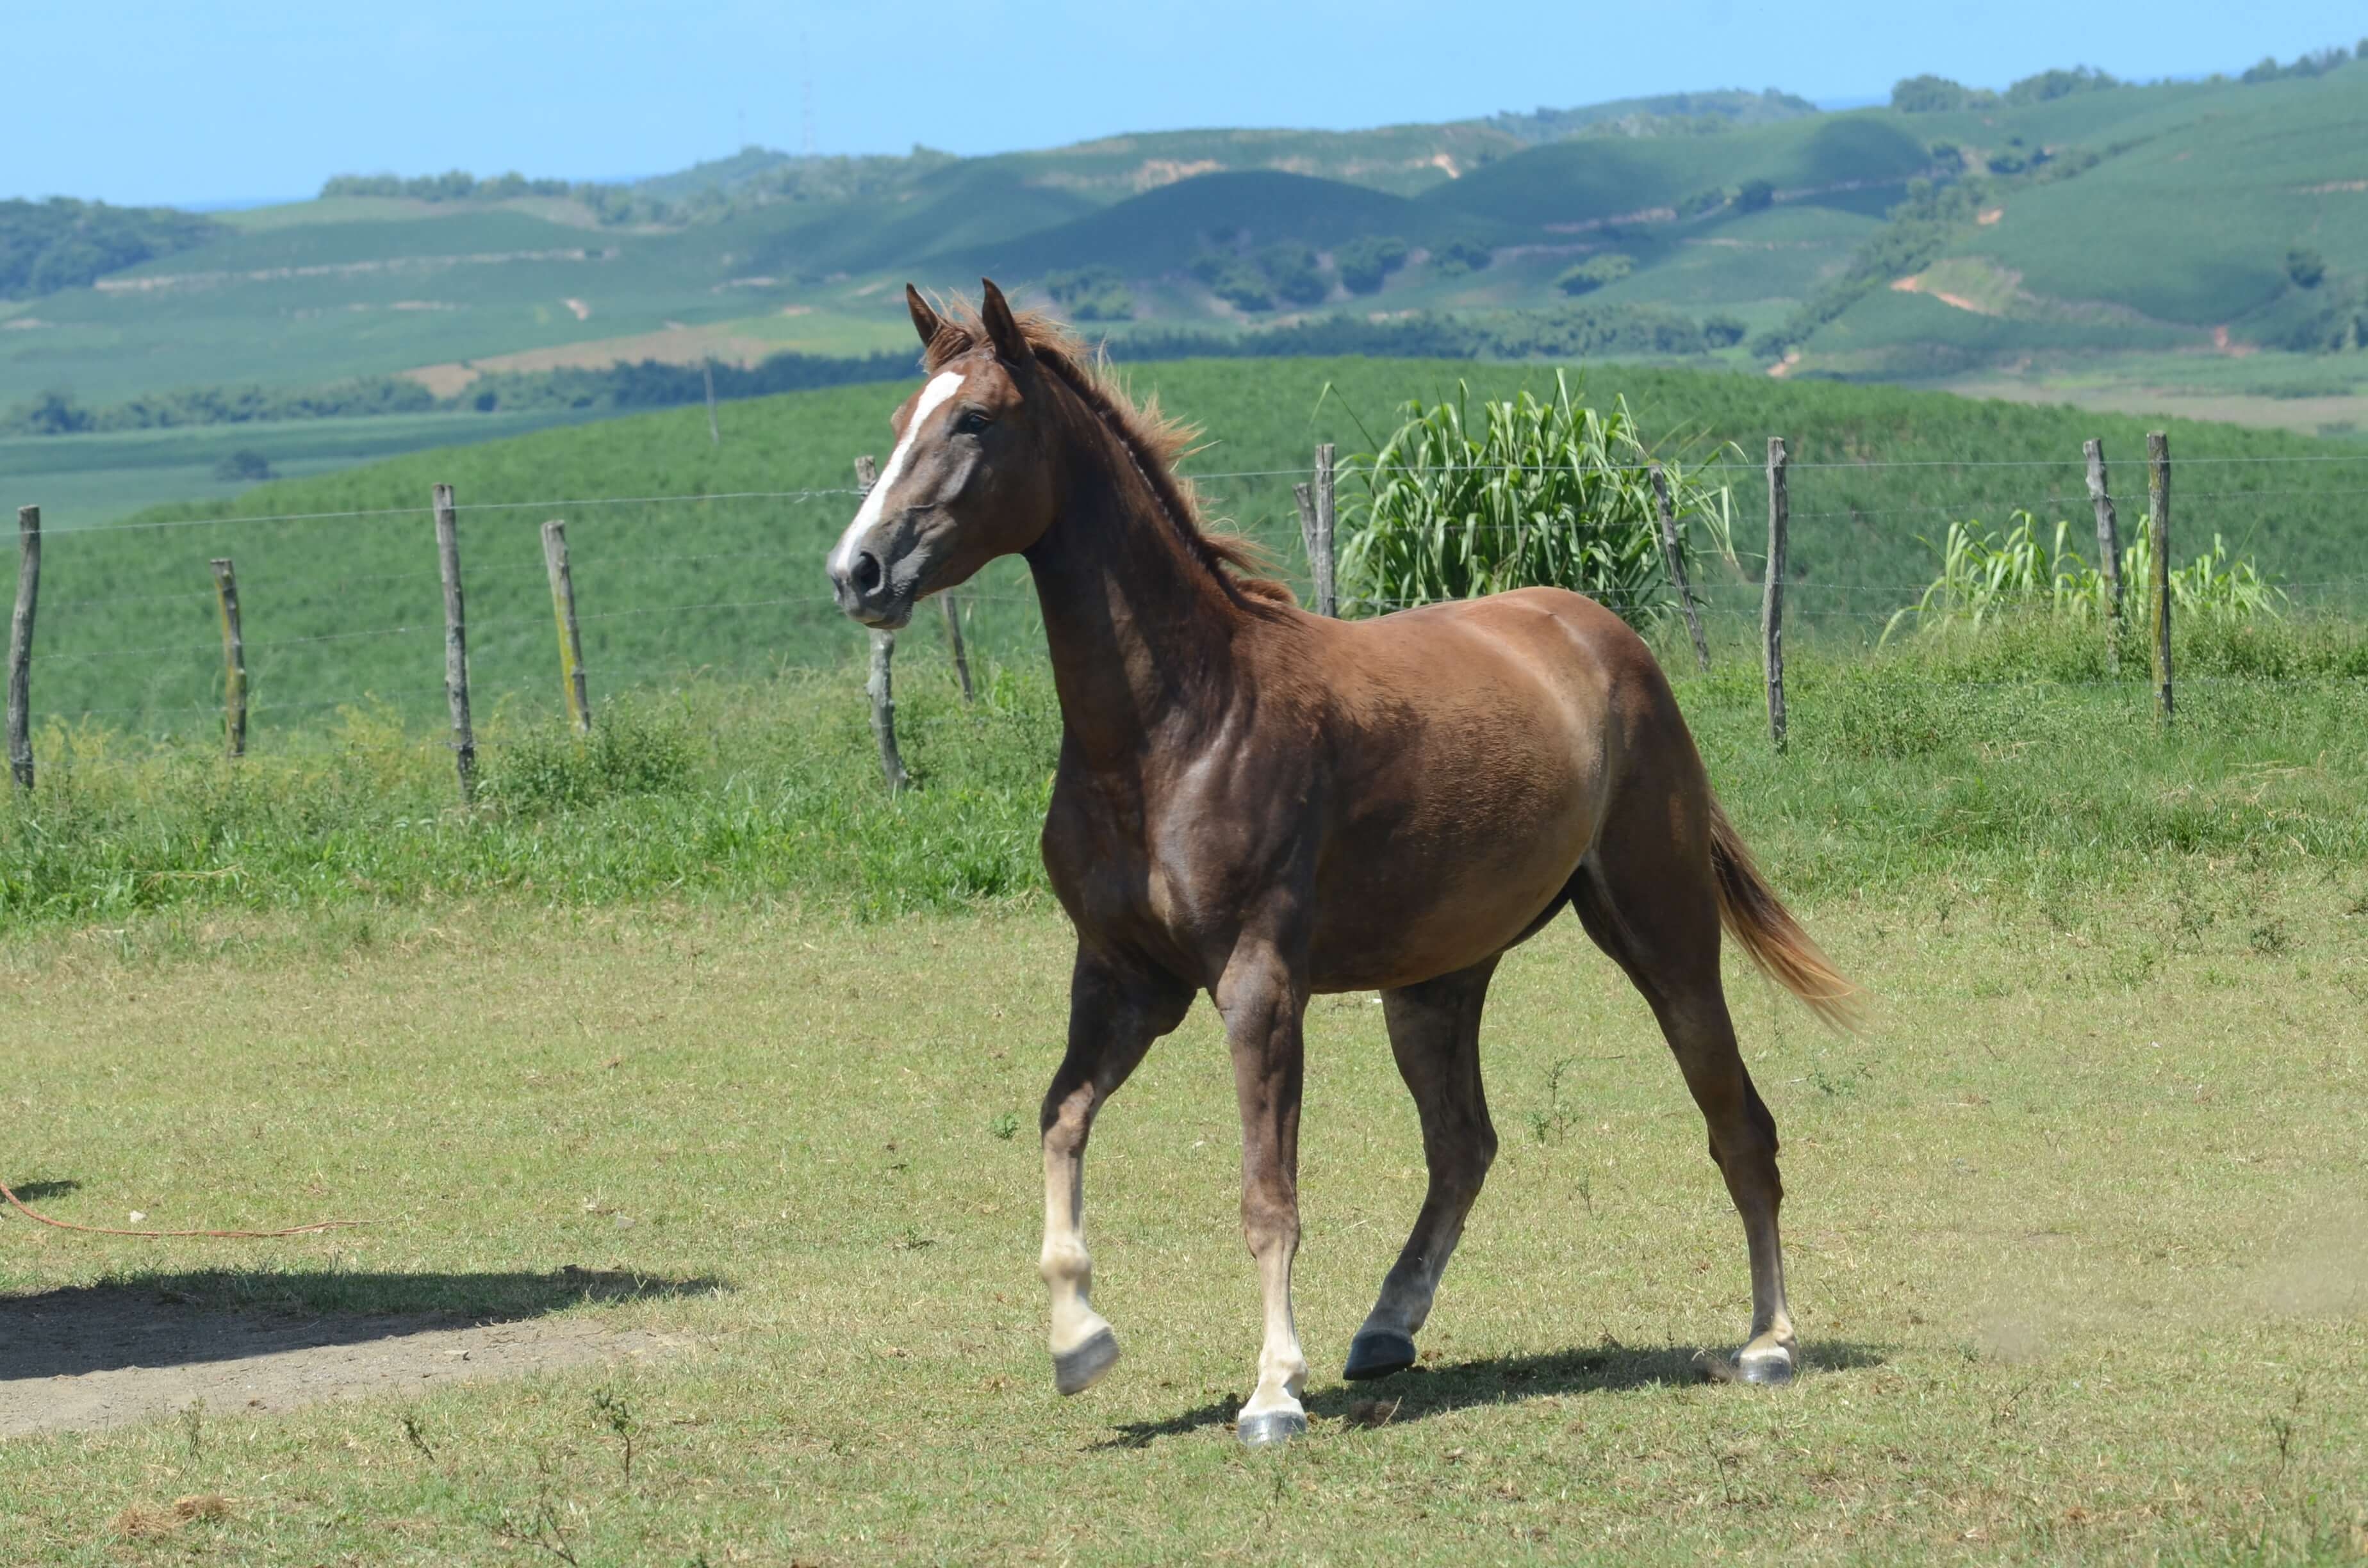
x: 1150, y: 439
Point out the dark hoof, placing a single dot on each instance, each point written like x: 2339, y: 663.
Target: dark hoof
x: 1377, y: 1355
x: 1770, y: 1368
x: 1272, y: 1429
x: 1075, y: 1371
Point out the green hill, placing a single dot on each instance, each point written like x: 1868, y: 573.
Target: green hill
x: 1596, y: 179
x: 1161, y: 230
x: 2183, y: 233
x: 2177, y: 235
x: 339, y: 575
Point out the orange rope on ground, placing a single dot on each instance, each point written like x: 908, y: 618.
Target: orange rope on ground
x: 18, y: 1204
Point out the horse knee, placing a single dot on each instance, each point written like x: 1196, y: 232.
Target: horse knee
x: 1067, y: 1117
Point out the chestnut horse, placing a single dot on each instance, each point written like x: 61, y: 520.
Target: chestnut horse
x: 1264, y: 804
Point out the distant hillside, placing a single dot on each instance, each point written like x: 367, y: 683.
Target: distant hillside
x: 2059, y: 223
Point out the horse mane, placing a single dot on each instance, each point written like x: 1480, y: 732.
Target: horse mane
x: 1151, y: 439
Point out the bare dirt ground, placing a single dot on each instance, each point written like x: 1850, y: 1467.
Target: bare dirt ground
x: 79, y: 1358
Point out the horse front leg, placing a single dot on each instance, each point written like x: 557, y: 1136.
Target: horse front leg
x: 1115, y: 1012
x: 1263, y: 1001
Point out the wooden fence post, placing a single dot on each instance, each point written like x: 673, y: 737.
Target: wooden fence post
x: 1305, y: 497
x: 571, y: 641
x: 20, y: 646
x: 233, y: 658
x: 954, y: 637
x: 1327, y: 593
x: 881, y: 686
x: 2109, y: 549
x: 456, y: 642
x: 1772, y: 602
x: 2158, y: 528
x: 1675, y: 555
x: 714, y: 432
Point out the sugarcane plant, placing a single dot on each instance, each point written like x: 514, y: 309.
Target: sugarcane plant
x: 1465, y: 499
x: 1986, y: 575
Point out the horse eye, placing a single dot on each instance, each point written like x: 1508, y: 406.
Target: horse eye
x: 971, y: 423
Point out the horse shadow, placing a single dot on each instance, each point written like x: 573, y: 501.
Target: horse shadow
x: 157, y: 1320
x: 1436, y: 1388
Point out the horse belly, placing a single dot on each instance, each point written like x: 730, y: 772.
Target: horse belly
x: 1410, y: 906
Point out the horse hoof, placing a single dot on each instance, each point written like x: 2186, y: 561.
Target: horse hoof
x: 1270, y: 1428
x: 1769, y: 1367
x: 1075, y: 1371
x: 1377, y: 1354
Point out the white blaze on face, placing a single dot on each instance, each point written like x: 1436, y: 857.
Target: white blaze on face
x: 942, y: 387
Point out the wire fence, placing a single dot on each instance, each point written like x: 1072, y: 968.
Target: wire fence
x: 345, y: 606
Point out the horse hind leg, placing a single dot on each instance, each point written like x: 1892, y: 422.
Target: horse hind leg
x: 1435, y: 1035
x: 1655, y: 911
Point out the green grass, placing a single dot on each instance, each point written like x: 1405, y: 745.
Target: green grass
x: 128, y: 628
x: 2074, y: 1238
x: 2075, y: 1228
x: 2007, y: 761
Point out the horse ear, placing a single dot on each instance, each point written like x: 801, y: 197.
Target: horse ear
x: 925, y: 319
x: 1002, y: 330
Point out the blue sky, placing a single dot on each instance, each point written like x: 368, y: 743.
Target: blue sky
x: 207, y: 100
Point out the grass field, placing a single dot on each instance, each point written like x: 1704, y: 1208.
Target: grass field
x: 340, y: 607
x: 695, y: 1037
x: 2075, y: 1236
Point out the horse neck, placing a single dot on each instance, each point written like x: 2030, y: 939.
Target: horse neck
x: 1140, y: 629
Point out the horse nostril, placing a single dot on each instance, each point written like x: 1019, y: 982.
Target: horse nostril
x: 865, y: 574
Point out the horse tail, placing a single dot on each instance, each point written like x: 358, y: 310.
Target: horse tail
x: 1750, y: 910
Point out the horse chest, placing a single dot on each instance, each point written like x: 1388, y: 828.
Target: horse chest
x: 1171, y: 871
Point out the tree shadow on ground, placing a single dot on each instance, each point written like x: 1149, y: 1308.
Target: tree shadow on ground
x: 1436, y: 1388
x: 171, y: 1320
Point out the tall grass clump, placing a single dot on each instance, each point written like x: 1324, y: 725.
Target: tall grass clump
x: 1529, y: 492
x: 1986, y: 577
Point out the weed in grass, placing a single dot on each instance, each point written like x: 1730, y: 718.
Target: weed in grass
x: 1553, y: 1123
x: 416, y: 1438
x: 539, y: 1528
x: 610, y: 1409
x: 1004, y: 1127
x: 1836, y: 1084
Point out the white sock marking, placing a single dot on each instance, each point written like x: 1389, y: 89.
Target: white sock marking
x: 944, y: 386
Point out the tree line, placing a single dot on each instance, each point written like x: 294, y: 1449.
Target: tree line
x: 65, y: 244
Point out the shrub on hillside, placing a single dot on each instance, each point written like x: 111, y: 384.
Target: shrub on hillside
x: 2305, y: 266
x: 1754, y: 195
x: 1364, y: 263
x: 1291, y: 267
x: 1595, y: 272
x: 1237, y: 282
x: 1459, y: 256
x: 1702, y: 201
x: 246, y: 466
x: 1091, y: 293
x: 1720, y: 330
x: 2340, y: 326
x: 1936, y: 95
x: 2049, y: 86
